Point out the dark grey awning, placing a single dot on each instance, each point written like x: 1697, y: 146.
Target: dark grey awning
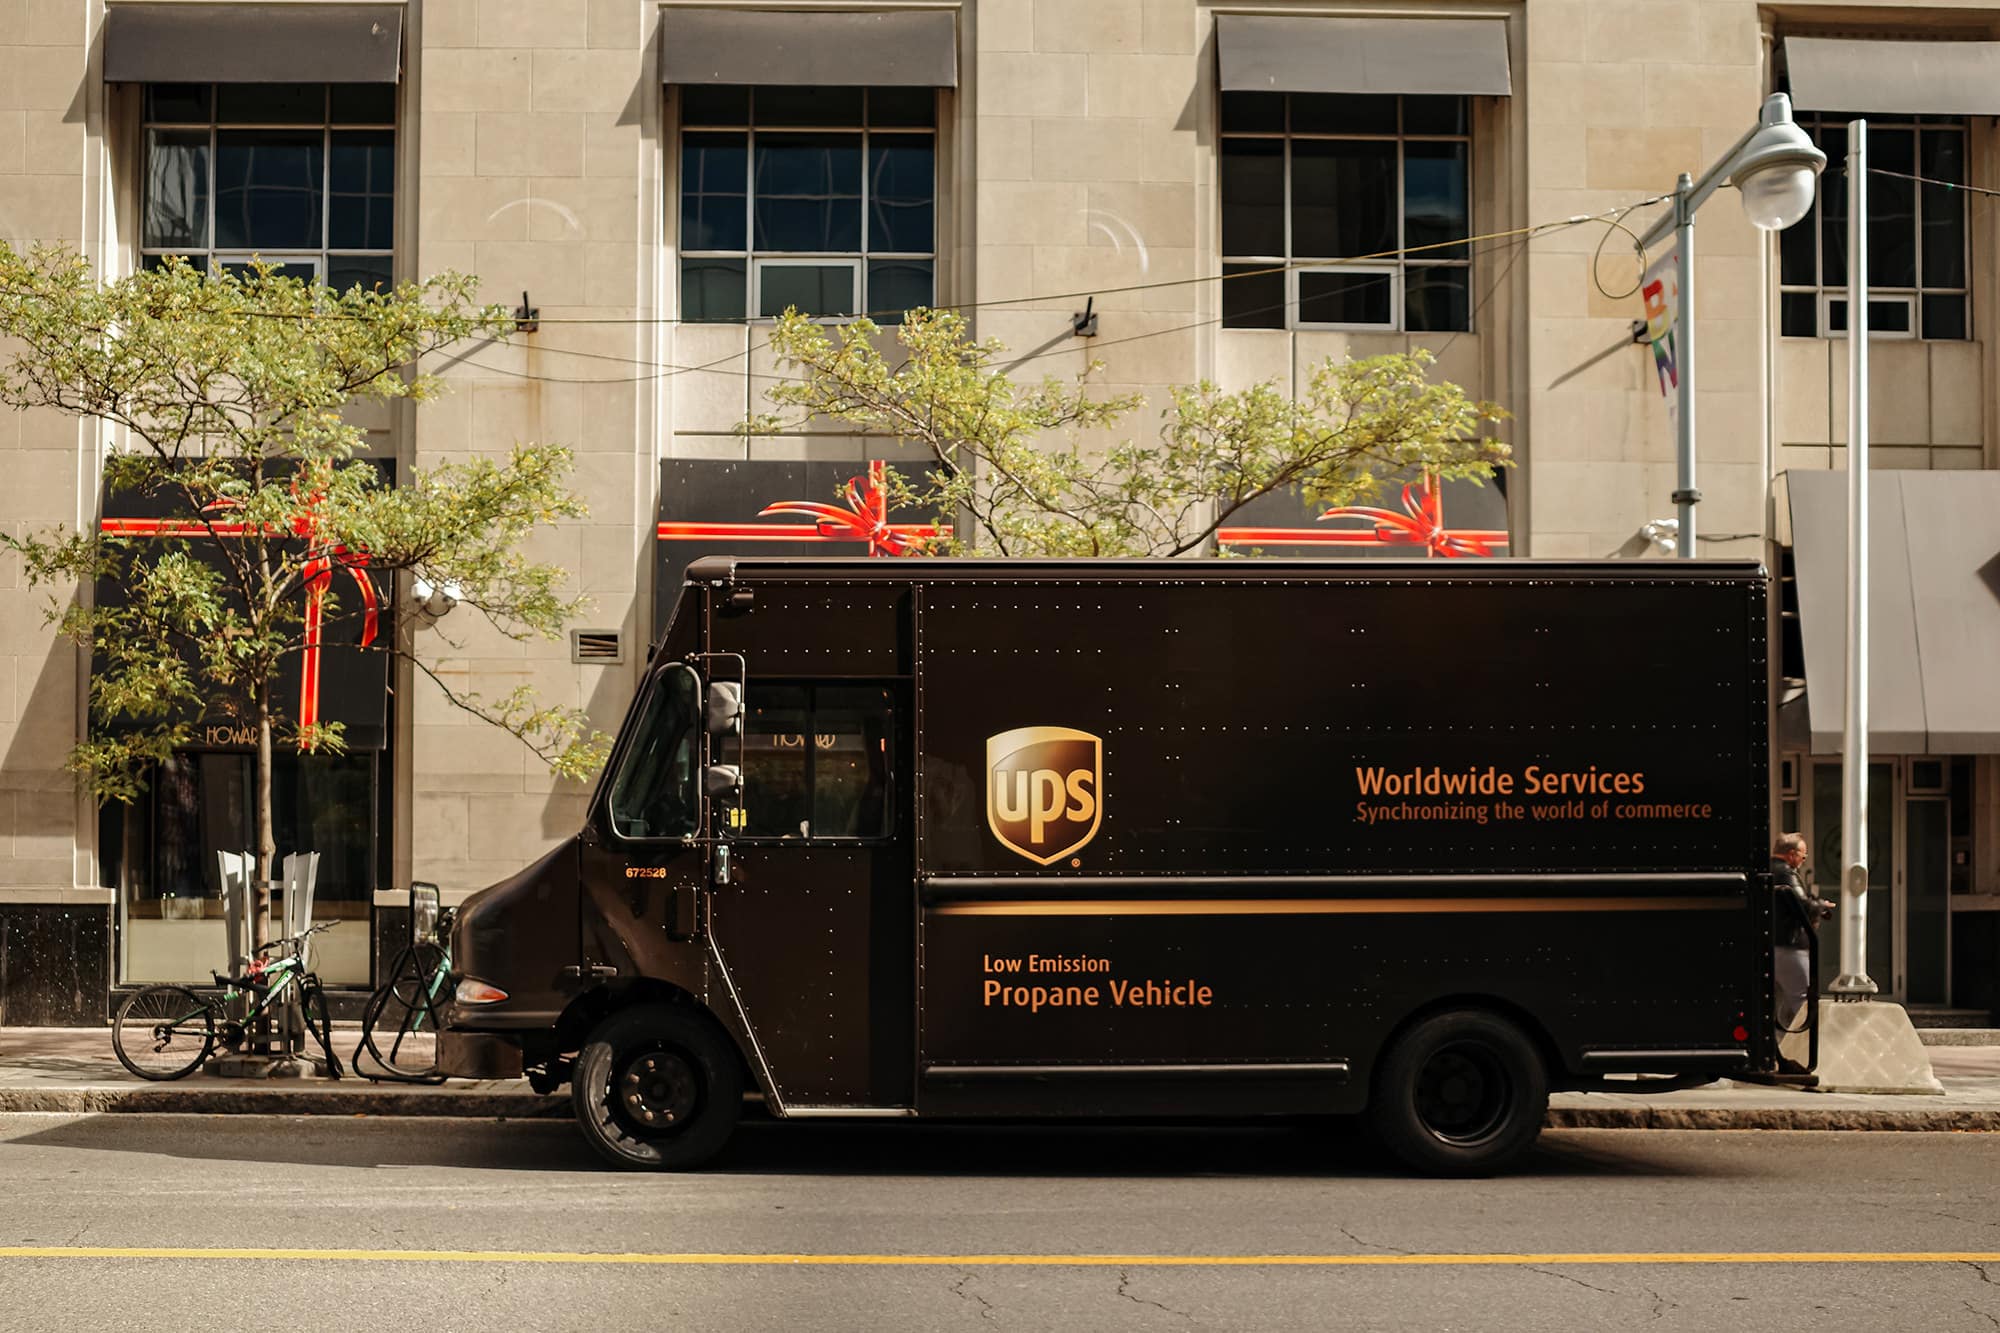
x: 238, y: 43
x: 910, y: 48
x: 1265, y: 53
x: 1934, y: 608
x: 1894, y: 78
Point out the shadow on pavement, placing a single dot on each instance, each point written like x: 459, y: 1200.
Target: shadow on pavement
x: 765, y: 1148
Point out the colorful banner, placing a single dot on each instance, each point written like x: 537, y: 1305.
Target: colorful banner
x: 1660, y: 287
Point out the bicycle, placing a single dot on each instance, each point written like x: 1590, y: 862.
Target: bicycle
x: 164, y: 1032
x: 416, y: 987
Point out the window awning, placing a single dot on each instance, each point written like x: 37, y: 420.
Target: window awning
x: 239, y: 43
x: 1894, y: 78
x: 909, y: 48
x: 1268, y: 53
x: 1934, y: 608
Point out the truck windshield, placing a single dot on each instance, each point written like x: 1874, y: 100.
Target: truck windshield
x: 654, y: 794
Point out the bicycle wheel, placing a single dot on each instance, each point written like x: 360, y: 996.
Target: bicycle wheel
x: 405, y: 1010
x: 312, y: 1004
x: 163, y: 1032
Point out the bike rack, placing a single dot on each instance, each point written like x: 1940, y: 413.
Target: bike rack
x: 301, y: 877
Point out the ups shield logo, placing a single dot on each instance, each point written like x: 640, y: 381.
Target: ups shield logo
x: 1044, y: 790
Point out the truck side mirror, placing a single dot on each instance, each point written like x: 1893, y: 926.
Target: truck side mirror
x: 719, y: 780
x: 725, y: 708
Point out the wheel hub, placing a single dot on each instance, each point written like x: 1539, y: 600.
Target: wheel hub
x: 658, y: 1090
x: 1462, y: 1094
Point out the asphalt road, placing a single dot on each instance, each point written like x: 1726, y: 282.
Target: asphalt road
x: 404, y: 1190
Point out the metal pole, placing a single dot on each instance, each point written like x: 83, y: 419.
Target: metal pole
x: 1686, y: 497
x: 1853, y: 982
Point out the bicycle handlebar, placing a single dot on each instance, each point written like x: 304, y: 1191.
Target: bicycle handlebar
x: 298, y: 939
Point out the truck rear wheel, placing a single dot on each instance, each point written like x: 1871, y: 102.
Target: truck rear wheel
x: 1462, y: 1093
x: 656, y: 1088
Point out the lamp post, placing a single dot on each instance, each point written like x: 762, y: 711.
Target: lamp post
x: 1854, y: 983
x: 1775, y: 168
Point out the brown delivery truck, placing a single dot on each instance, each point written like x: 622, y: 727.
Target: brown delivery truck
x: 978, y: 838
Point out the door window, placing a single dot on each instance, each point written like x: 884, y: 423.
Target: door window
x: 819, y: 762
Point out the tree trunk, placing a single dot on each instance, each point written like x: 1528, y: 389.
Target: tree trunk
x: 266, y: 864
x: 267, y: 839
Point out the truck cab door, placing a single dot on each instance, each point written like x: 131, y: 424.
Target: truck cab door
x: 814, y: 922
x: 641, y: 862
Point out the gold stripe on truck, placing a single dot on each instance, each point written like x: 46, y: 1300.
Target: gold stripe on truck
x: 1329, y: 906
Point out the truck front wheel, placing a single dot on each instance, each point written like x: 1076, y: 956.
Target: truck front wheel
x: 656, y: 1088
x: 1462, y: 1093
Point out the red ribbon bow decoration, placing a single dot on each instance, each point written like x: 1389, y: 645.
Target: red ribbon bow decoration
x: 322, y: 558
x: 866, y: 519
x: 1420, y: 524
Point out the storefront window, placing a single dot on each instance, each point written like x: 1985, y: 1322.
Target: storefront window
x: 203, y: 802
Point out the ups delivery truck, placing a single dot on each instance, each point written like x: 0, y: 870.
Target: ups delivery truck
x: 1416, y: 840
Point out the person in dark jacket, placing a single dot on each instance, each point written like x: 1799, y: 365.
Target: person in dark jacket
x: 1797, y: 910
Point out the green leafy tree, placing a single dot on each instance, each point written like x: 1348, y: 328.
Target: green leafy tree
x: 225, y: 395
x: 1039, y: 471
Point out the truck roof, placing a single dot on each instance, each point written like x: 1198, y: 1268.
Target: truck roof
x: 735, y: 569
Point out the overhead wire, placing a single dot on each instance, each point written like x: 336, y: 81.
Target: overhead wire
x: 1638, y: 252
x: 1517, y: 246
x: 668, y: 370
x: 1931, y: 180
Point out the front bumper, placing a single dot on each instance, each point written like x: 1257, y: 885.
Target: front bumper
x: 478, y: 1054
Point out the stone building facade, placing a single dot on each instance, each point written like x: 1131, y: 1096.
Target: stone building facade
x: 652, y: 176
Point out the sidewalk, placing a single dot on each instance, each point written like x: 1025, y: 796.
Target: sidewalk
x: 73, y: 1070
x: 1971, y: 1101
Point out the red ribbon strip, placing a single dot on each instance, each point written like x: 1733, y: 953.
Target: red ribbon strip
x: 316, y: 573
x: 1420, y: 524
x: 866, y: 519
x: 318, y: 576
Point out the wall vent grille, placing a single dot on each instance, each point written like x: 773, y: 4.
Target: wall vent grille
x: 599, y: 646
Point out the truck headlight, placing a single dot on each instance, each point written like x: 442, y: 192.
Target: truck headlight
x: 471, y: 990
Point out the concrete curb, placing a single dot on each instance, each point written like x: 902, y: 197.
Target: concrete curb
x: 1959, y: 1036
x: 257, y: 1101
x: 1936, y: 1120
x: 172, y: 1100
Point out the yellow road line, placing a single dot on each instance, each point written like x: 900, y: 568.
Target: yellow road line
x: 1007, y: 1260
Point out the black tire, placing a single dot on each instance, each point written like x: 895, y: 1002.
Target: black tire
x: 657, y: 1088
x: 1462, y: 1093
x: 163, y: 1032
x: 319, y: 1021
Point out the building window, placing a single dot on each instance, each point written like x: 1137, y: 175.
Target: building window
x: 1312, y: 178
x: 824, y: 199
x: 302, y: 176
x: 1918, y: 266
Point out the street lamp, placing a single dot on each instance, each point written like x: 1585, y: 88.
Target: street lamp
x: 1775, y: 168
